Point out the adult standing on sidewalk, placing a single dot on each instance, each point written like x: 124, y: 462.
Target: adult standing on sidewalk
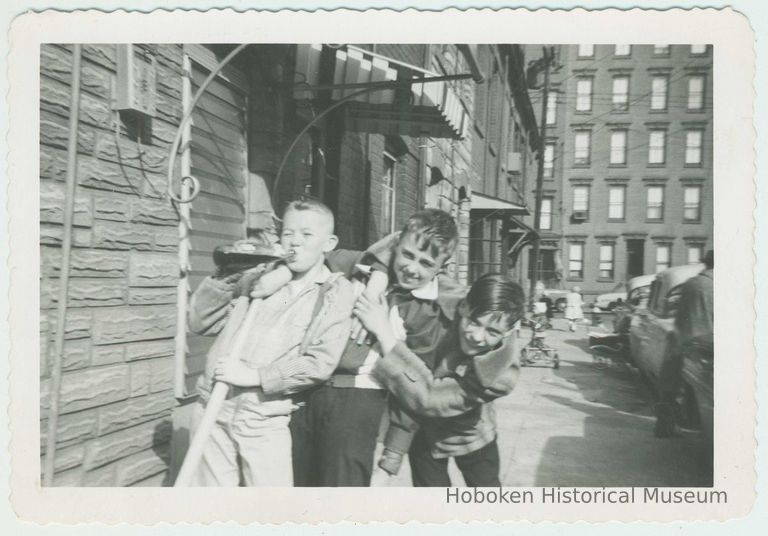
x: 573, y: 308
x: 694, y: 323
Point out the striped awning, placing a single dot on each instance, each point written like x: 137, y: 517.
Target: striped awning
x: 411, y: 109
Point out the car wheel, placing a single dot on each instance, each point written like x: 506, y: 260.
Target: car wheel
x: 560, y: 304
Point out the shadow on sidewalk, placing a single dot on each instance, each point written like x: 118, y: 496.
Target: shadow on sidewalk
x: 619, y: 449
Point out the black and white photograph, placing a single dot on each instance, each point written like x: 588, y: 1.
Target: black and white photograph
x: 397, y: 264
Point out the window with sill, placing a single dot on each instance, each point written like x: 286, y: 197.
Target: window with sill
x: 622, y: 51
x: 657, y: 141
x: 659, y: 93
x: 661, y: 50
x: 549, y: 160
x: 618, y: 154
x: 655, y: 203
x: 693, y: 140
x: 551, y: 116
x: 616, y: 195
x: 545, y: 224
x: 606, y: 261
x: 692, y: 203
x: 620, y: 94
x: 698, y: 50
x: 581, y: 201
x: 582, y: 140
x: 695, y: 93
x: 663, y: 256
x: 695, y: 254
x: 576, y: 260
x: 584, y: 95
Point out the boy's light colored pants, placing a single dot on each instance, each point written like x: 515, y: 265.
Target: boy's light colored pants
x: 246, y: 446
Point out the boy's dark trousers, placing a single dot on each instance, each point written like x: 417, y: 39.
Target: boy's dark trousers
x: 334, y: 436
x: 479, y: 468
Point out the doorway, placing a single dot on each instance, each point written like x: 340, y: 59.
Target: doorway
x: 635, y: 257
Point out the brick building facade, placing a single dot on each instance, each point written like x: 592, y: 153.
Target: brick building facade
x: 129, y: 366
x: 628, y: 163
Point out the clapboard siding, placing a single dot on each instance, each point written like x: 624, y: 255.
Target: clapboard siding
x: 219, y: 161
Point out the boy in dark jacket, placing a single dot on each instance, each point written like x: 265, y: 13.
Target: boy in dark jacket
x: 334, y: 434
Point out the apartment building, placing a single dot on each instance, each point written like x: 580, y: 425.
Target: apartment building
x: 628, y: 185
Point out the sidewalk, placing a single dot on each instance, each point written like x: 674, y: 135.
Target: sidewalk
x: 585, y: 424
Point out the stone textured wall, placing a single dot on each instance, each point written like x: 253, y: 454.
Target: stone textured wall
x: 117, y: 389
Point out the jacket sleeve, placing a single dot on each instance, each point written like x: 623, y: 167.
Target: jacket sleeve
x: 321, y: 357
x: 398, y: 437
x: 415, y: 387
x: 210, y: 306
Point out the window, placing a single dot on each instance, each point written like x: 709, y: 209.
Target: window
x: 584, y: 95
x: 695, y: 92
x: 692, y: 203
x: 549, y: 160
x: 581, y: 199
x: 618, y: 147
x: 661, y: 50
x: 388, y: 189
x: 698, y: 50
x: 695, y: 253
x: 655, y: 204
x: 693, y: 147
x: 616, y: 202
x: 659, y: 93
x: 545, y: 224
x: 663, y: 254
x: 576, y: 260
x: 622, y: 50
x: 586, y: 51
x: 656, y: 146
x: 582, y: 149
x: 551, y: 108
x: 620, y: 96
x: 606, y: 261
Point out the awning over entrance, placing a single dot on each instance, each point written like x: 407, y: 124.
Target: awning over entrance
x: 493, y: 207
x: 401, y: 106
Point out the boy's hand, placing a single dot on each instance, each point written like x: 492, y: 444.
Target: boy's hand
x: 376, y: 286
x: 235, y: 372
x: 374, y: 315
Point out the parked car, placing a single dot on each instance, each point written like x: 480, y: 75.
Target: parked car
x: 611, y: 299
x: 638, y: 289
x: 652, y: 335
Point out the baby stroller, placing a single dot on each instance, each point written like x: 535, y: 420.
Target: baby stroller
x: 537, y: 351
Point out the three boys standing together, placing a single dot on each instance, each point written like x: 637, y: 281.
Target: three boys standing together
x: 308, y: 399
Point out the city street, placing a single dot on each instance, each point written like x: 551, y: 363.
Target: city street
x: 586, y: 424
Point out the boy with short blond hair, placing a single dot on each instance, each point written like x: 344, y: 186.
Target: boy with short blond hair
x: 251, y: 441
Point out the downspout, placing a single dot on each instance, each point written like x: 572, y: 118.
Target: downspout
x: 66, y: 249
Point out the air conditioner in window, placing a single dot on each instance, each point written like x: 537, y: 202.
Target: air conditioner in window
x: 580, y: 215
x: 514, y: 163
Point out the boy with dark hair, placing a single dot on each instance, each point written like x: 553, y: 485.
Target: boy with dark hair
x: 448, y: 413
x: 334, y: 434
x: 294, y: 342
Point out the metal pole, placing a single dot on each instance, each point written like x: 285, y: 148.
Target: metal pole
x: 548, y: 56
x: 66, y: 248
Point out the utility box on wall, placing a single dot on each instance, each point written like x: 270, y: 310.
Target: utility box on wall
x: 136, y: 79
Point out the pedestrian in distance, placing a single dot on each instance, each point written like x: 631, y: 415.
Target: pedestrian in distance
x: 448, y: 413
x: 574, y: 308
x: 295, y: 341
